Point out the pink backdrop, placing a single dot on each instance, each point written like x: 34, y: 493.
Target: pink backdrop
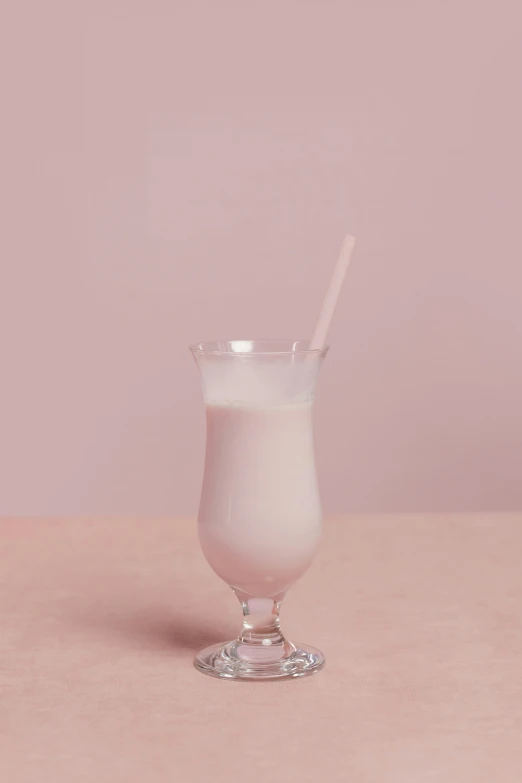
x: 177, y: 171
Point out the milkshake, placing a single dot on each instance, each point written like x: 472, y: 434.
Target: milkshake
x: 259, y: 519
x: 260, y: 512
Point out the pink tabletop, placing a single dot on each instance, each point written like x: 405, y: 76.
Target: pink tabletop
x: 419, y: 617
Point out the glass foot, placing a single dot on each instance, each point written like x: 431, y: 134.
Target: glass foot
x: 238, y: 661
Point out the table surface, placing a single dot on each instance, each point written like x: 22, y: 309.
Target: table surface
x: 419, y: 617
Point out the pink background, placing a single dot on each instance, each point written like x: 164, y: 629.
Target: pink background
x: 178, y: 171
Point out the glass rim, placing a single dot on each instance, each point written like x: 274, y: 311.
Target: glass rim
x: 212, y: 348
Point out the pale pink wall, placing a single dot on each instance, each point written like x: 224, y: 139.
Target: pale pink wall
x: 177, y: 171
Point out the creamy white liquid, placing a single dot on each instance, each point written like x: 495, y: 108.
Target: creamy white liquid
x: 260, y: 514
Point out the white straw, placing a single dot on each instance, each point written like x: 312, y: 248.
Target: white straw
x: 334, y: 289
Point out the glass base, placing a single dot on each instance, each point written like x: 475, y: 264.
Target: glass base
x: 238, y: 661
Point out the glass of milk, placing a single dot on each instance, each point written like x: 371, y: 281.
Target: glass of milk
x: 260, y: 514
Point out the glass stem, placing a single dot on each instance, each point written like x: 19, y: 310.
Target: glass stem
x: 260, y: 622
